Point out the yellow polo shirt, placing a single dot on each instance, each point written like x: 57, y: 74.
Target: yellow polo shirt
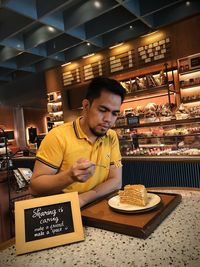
x: 65, y: 144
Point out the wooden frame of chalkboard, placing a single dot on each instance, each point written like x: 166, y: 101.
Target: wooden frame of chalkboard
x: 47, y: 222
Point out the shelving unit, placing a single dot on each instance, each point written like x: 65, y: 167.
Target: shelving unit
x: 54, y: 108
x: 189, y: 78
x: 150, y: 85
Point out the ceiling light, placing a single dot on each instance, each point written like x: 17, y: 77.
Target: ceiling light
x: 90, y: 55
x: 97, y: 4
x: 88, y: 44
x: 150, y: 33
x: 131, y: 27
x: 68, y: 63
x: 111, y: 47
x: 51, y: 29
x: 187, y: 3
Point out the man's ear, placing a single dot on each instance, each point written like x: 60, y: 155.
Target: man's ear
x: 85, y: 104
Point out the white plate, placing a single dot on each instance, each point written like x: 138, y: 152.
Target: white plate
x: 153, y: 201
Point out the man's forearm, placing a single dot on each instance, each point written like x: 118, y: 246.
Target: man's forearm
x: 50, y: 183
x: 103, y: 189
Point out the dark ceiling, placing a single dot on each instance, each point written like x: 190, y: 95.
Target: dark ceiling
x: 36, y: 35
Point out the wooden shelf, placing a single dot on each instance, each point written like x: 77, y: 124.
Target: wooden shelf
x: 164, y: 136
x: 189, y: 71
x: 160, y: 123
x: 189, y: 86
x: 190, y: 101
x: 149, y: 91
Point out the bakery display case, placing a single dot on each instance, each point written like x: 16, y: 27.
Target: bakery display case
x: 167, y: 138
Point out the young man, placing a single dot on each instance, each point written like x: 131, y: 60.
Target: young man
x: 83, y: 155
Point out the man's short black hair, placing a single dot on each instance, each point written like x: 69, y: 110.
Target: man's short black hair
x: 100, y: 84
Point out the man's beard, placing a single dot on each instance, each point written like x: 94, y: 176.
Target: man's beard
x: 98, y: 134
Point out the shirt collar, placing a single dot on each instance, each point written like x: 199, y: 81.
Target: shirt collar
x: 79, y: 132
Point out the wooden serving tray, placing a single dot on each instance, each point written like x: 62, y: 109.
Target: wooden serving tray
x: 100, y: 215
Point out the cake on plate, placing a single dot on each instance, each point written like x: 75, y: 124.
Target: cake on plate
x: 134, y: 195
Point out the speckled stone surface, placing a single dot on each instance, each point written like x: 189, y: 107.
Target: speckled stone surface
x: 175, y: 242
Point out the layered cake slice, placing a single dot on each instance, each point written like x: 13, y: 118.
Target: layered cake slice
x: 134, y: 195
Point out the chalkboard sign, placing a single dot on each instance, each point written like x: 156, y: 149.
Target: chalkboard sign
x: 47, y: 222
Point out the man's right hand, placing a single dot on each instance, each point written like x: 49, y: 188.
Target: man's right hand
x: 82, y: 170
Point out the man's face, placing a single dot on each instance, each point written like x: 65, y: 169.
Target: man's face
x: 102, y: 113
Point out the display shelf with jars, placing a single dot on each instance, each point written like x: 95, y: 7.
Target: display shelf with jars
x: 54, y: 108
x: 189, y: 78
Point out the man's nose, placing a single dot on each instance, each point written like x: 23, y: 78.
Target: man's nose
x: 108, y: 116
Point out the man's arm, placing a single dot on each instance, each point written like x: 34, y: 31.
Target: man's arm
x: 114, y: 182
x: 45, y: 180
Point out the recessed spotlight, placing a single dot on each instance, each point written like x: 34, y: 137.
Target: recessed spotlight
x: 187, y: 3
x: 97, y: 4
x: 131, y: 27
x: 88, y: 44
x: 51, y: 29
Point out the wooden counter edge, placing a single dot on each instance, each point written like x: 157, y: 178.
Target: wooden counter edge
x: 11, y: 241
x: 174, y: 188
x: 6, y: 244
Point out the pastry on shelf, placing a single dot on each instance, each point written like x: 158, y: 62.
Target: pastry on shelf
x: 164, y: 112
x: 139, y: 110
x: 195, y: 111
x: 182, y: 112
x: 150, y: 113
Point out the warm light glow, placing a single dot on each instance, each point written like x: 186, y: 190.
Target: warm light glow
x: 56, y: 112
x: 90, y: 55
x: 66, y: 64
x: 88, y: 44
x: 148, y: 34
x: 192, y: 89
x: 196, y: 103
x: 111, y: 47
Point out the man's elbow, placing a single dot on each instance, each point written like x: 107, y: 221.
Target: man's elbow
x: 33, y: 191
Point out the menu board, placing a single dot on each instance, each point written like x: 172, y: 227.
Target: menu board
x: 47, y: 222
x: 154, y: 51
x: 71, y: 77
x: 122, y: 61
x: 93, y: 70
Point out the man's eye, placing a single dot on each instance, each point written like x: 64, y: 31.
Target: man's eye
x: 115, y: 113
x: 102, y: 110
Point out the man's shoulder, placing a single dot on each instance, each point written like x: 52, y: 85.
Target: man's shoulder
x: 111, y: 133
x: 62, y: 129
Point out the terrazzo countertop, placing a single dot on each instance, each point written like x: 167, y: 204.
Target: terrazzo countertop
x: 175, y: 242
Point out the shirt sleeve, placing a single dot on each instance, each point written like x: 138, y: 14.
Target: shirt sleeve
x: 115, y: 158
x: 51, y: 149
